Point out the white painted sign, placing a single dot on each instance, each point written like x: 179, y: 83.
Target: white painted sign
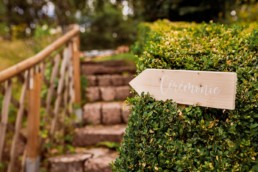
x: 201, y: 88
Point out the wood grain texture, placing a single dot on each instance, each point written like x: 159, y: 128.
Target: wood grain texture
x: 71, y: 89
x: 18, y: 122
x: 51, y: 89
x: 202, y: 88
x: 76, y: 70
x: 61, y: 84
x: 4, y: 115
x: 33, y: 142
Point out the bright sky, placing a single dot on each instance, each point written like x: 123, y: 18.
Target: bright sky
x: 126, y: 9
x: 49, y: 9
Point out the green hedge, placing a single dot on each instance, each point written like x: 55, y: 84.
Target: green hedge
x: 162, y: 136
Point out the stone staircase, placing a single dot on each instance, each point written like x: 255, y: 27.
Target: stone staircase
x: 105, y: 116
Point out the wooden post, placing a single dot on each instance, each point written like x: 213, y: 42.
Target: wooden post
x: 52, y: 83
x: 18, y: 123
x: 61, y: 83
x: 4, y: 115
x: 76, y: 69
x: 33, y: 142
x: 76, y: 77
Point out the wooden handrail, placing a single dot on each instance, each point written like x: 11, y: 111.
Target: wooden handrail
x: 57, y: 63
x: 30, y: 62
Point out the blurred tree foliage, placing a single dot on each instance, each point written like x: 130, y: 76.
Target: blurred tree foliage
x: 107, y: 27
x: 242, y: 11
x: 66, y: 10
x: 25, y: 14
x: 180, y: 10
x: 196, y: 10
x: 105, y: 24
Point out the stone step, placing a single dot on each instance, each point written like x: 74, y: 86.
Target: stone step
x: 69, y: 163
x: 88, y: 160
x: 106, y: 113
x: 101, y: 163
x: 94, y: 94
x: 107, y: 67
x: 109, y: 80
x: 92, y: 135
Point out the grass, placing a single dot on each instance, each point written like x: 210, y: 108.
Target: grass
x: 15, y: 51
x: 124, y: 56
x: 12, y: 52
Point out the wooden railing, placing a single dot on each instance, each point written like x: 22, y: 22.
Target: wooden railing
x: 48, y: 83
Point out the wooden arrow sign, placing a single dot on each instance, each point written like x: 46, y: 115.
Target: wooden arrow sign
x: 202, y: 88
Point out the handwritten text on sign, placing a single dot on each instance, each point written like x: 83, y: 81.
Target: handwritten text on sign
x: 209, y: 89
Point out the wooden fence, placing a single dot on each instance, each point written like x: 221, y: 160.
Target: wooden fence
x: 49, y: 83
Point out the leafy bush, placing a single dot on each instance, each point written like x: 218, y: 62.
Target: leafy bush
x: 164, y: 136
